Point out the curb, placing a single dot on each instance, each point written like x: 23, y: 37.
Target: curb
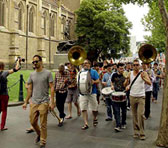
x: 12, y: 104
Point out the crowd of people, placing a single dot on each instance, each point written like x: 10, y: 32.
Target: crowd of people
x: 134, y: 85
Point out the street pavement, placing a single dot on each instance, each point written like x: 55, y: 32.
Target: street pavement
x: 71, y: 135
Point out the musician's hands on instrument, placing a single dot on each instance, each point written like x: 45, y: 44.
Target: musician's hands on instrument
x: 52, y: 106
x: 127, y: 87
x: 112, y: 87
x: 24, y: 106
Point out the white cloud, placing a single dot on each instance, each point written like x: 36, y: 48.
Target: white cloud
x: 135, y: 13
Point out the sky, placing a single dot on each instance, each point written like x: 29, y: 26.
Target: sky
x: 134, y: 13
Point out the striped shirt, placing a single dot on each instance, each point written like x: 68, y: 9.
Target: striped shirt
x: 61, y: 81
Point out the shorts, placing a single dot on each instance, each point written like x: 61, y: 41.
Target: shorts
x: 90, y: 101
x: 72, y: 95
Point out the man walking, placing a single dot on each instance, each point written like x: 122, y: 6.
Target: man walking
x: 89, y: 99
x: 119, y: 101
x: 39, y: 83
x: 106, y: 82
x: 62, y: 79
x: 137, y: 98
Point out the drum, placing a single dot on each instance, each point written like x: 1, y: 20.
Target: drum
x: 106, y: 92
x: 84, y: 82
x: 119, y: 96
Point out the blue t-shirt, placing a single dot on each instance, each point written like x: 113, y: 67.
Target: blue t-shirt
x: 107, y: 78
x: 94, y: 76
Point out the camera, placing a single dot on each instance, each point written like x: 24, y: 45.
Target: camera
x: 20, y: 59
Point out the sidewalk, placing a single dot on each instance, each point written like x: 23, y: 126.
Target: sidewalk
x: 71, y: 135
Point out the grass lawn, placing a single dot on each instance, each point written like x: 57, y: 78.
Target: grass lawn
x: 12, y: 79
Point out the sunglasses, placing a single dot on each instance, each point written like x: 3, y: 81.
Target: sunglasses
x: 135, y: 64
x: 35, y: 62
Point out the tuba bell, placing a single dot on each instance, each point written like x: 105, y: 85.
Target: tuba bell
x: 76, y: 55
x: 147, y: 53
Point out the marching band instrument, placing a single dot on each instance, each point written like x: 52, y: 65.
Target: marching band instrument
x: 107, y: 92
x: 84, y: 82
x: 55, y: 115
x: 147, y: 53
x: 119, y: 96
x: 76, y: 55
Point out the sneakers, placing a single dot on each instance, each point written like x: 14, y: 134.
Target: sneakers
x: 37, y: 139
x: 128, y: 108
x: 117, y: 129
x: 135, y: 136
x: 142, y: 137
x: 123, y: 127
x: 108, y: 119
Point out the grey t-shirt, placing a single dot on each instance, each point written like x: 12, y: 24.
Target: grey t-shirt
x: 40, y: 82
x: 5, y: 74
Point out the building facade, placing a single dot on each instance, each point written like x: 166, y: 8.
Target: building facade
x: 29, y: 27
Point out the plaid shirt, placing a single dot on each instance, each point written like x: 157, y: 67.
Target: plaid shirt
x: 61, y: 81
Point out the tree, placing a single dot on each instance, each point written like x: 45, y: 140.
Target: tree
x: 102, y: 29
x: 153, y: 23
x: 162, y: 139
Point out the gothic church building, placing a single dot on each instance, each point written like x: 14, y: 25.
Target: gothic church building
x: 29, y: 27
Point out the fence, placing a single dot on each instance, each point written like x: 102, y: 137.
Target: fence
x: 21, y: 81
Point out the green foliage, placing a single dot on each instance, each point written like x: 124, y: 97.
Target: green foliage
x: 153, y: 23
x: 103, y: 29
x: 140, y: 2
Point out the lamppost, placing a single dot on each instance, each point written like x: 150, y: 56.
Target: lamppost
x: 27, y: 31
x: 49, y: 36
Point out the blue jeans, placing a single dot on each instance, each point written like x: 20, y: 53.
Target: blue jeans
x: 155, y: 90
x: 117, y: 106
x: 108, y: 102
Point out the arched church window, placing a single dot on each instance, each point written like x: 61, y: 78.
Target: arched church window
x: 44, y: 23
x: 20, y: 17
x: 31, y: 19
x: 63, y: 25
x: 52, y: 25
x: 2, y: 13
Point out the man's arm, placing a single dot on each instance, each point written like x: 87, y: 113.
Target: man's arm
x: 29, y: 94
x: 16, y: 68
x: 52, y: 104
x: 146, y: 78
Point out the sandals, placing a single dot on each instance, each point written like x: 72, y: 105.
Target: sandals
x: 85, y: 127
x: 95, y: 122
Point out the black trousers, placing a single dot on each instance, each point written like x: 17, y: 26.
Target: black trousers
x: 60, y: 101
x: 128, y: 99
x: 147, y: 103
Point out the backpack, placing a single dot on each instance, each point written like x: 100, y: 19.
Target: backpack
x: 3, y: 83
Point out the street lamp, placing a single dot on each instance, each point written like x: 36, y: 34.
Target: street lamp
x: 27, y: 31
x: 49, y: 36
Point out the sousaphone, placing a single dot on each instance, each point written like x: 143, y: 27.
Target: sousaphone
x: 147, y: 53
x: 76, y: 55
